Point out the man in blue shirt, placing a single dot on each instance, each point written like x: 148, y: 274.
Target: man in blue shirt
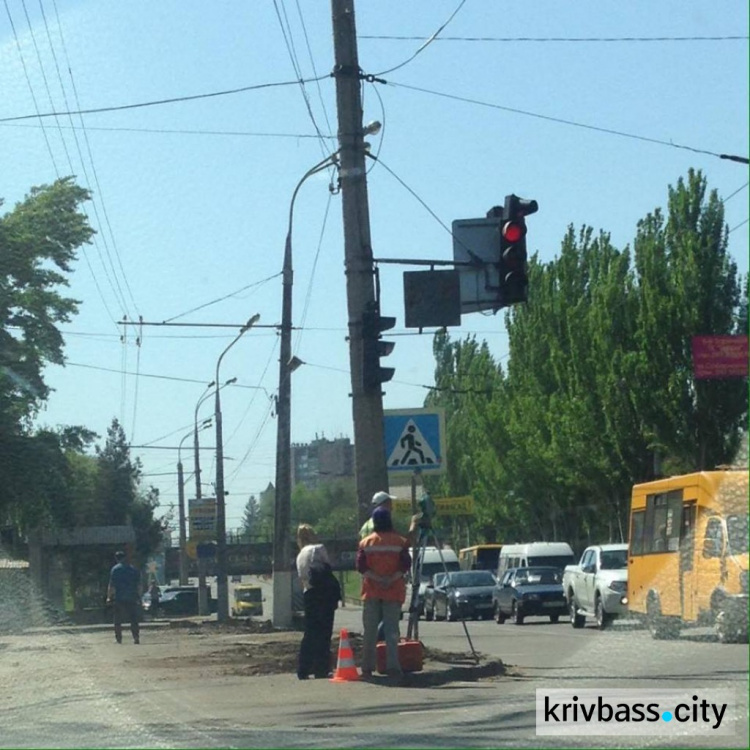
x: 124, y: 591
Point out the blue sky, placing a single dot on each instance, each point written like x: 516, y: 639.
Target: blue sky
x: 192, y: 198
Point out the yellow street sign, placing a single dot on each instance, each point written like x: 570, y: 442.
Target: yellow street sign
x: 191, y: 548
x: 444, y: 506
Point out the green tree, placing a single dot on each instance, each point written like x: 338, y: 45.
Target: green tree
x: 250, y: 518
x: 38, y: 243
x: 687, y: 285
x: 119, y: 497
x: 330, y: 508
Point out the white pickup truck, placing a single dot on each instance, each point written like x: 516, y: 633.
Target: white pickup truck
x: 597, y: 586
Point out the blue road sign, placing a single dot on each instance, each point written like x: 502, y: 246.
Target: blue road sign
x: 414, y: 440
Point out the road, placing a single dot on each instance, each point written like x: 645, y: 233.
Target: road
x: 77, y: 688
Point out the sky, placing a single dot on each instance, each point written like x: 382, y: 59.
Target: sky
x: 575, y: 105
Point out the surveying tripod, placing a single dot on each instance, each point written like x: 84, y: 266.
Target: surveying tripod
x: 427, y: 508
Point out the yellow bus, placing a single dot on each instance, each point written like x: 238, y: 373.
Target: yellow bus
x: 479, y: 557
x: 688, y: 554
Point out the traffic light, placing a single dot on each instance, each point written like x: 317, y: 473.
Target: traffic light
x: 512, y: 261
x: 373, y: 348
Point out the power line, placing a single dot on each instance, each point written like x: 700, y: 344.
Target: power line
x: 427, y: 43
x: 731, y: 195
x: 159, y: 102
x: 557, y: 38
x: 610, y: 131
x: 179, y: 131
x: 226, y: 296
x: 741, y: 224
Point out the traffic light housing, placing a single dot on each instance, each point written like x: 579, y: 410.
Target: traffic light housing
x: 373, y: 348
x: 512, y: 261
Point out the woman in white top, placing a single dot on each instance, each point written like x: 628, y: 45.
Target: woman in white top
x: 314, y: 571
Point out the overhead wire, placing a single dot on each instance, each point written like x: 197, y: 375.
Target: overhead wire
x: 563, y: 121
x: 161, y: 102
x: 505, y: 39
x: 286, y: 31
x: 427, y: 43
x: 31, y: 90
x: 96, y: 197
x: 94, y: 171
x: 179, y: 131
x: 740, y: 188
x: 226, y: 296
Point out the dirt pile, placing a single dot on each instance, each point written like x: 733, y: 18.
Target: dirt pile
x: 255, y: 648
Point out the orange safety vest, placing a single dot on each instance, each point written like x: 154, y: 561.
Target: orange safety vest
x: 384, y: 578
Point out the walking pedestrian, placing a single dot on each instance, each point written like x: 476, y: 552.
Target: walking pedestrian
x: 321, y: 595
x: 383, y: 560
x: 124, y: 592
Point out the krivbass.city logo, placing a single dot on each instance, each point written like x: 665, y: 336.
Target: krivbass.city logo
x: 570, y: 712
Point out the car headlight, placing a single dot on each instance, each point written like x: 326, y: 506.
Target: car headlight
x: 618, y: 586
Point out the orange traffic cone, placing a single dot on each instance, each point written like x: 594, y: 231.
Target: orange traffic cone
x: 345, y: 669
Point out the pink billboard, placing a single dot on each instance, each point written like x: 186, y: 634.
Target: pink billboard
x: 719, y: 356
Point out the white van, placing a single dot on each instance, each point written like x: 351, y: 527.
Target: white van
x: 550, y: 554
x: 431, y: 563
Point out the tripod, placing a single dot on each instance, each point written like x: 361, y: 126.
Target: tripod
x: 425, y: 531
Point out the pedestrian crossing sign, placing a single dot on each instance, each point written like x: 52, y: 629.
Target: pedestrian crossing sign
x: 414, y: 440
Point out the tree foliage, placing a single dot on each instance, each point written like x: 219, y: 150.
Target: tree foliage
x: 38, y: 243
x: 598, y: 390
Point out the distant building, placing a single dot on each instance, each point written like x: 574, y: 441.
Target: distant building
x: 322, y: 461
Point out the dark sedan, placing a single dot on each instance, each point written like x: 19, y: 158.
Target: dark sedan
x: 183, y: 601
x: 529, y: 591
x: 463, y: 594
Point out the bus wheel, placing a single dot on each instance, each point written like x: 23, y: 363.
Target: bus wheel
x: 660, y: 627
x: 729, y: 628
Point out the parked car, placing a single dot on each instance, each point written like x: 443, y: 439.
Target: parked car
x: 461, y: 594
x: 434, y: 561
x: 597, y: 586
x: 183, y: 601
x: 524, y: 592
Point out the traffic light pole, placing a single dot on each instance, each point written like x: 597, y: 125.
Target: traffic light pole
x: 367, y: 407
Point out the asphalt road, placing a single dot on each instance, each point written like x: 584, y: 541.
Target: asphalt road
x: 79, y: 689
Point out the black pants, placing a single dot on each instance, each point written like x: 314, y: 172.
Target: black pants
x: 315, y: 649
x: 126, y: 612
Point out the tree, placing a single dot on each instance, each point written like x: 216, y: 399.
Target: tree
x: 119, y: 498
x: 250, y: 517
x: 687, y: 285
x: 38, y: 243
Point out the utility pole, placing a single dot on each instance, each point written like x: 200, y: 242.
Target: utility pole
x: 282, y: 548
x: 367, y: 407
x: 183, y: 534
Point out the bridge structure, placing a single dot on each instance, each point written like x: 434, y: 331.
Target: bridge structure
x: 256, y: 558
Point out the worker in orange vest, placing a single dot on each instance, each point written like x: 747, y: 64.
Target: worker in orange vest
x: 383, y: 559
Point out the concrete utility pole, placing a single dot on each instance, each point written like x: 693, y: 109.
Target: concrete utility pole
x: 282, y: 548
x: 367, y: 408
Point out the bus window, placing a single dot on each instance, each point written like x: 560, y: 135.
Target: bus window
x: 636, y: 532
x: 663, y: 522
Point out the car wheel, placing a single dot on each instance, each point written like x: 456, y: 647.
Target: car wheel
x: 429, y: 614
x: 499, y: 616
x: 576, y: 620
x: 554, y: 618
x: 515, y: 613
x: 603, y: 619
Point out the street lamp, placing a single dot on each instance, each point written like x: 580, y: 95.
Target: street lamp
x: 181, y: 499
x: 282, y: 549
x: 222, y: 590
